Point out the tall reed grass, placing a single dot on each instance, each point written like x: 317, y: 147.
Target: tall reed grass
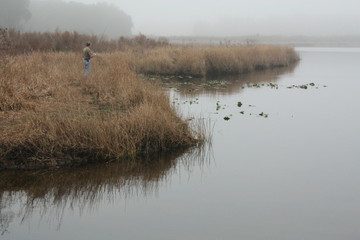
x: 109, y: 116
x: 51, y: 115
x: 70, y: 41
x: 151, y: 56
x: 205, y: 60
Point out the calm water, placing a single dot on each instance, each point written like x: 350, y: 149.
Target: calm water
x: 285, y: 165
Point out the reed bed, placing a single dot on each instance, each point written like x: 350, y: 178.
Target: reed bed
x: 200, y: 61
x: 71, y: 40
x: 60, y: 118
x: 158, y: 57
x: 51, y: 115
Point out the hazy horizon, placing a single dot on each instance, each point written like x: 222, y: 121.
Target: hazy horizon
x: 234, y: 18
x: 202, y: 17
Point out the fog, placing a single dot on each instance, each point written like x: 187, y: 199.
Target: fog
x: 242, y: 17
x: 103, y: 19
x: 14, y: 12
x: 197, y: 17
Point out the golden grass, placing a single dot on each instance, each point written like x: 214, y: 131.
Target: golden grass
x: 111, y: 115
x: 204, y: 61
x: 51, y: 115
x: 70, y: 41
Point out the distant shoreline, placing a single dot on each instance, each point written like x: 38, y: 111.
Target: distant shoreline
x: 292, y: 41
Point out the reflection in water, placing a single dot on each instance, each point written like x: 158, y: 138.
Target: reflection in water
x: 294, y: 175
x: 50, y: 194
x: 6, y: 217
x: 54, y: 190
x: 226, y: 85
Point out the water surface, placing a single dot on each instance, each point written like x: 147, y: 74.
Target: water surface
x: 284, y: 165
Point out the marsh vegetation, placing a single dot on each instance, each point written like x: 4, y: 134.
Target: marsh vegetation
x: 47, y: 118
x: 298, y: 165
x: 51, y: 115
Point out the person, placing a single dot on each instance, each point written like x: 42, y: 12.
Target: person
x: 88, y: 54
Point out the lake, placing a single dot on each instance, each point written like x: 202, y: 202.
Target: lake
x: 283, y: 163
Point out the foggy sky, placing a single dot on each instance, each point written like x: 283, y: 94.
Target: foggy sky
x: 13, y: 13
x: 103, y: 19
x: 99, y: 19
x: 218, y: 18
x: 241, y: 17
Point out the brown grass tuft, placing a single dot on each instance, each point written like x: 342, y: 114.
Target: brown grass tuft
x: 70, y: 41
x: 109, y: 116
x: 51, y: 115
x: 204, y: 61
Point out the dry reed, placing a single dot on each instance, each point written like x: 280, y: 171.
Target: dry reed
x: 204, y: 61
x: 151, y: 56
x: 51, y: 115
x: 70, y: 41
x: 111, y: 115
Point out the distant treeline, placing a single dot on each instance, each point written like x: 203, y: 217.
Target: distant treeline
x: 44, y: 16
x: 279, y: 40
x: 16, y: 42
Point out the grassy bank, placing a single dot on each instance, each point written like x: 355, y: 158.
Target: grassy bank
x: 200, y: 61
x: 49, y: 118
x: 157, y: 56
x: 26, y: 42
x: 50, y: 115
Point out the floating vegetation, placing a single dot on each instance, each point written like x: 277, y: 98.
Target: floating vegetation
x: 191, y: 102
x: 262, y: 114
x: 195, y: 101
x: 241, y: 104
x: 273, y: 85
x: 304, y: 86
x: 276, y: 86
x: 216, y: 84
x: 253, y: 85
x: 218, y: 106
x: 257, y: 85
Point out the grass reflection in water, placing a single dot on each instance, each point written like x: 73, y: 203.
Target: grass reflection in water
x: 50, y: 192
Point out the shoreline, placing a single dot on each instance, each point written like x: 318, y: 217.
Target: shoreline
x: 112, y: 115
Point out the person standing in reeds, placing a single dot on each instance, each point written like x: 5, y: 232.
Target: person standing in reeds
x: 88, y: 54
